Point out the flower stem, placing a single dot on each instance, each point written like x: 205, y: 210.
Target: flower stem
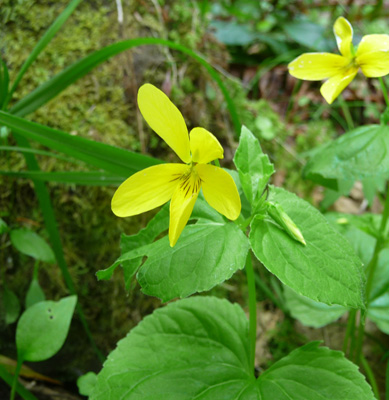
x: 346, y: 112
x: 350, y: 331
x: 370, y: 271
x: 370, y: 377
x: 16, y: 375
x: 252, y: 310
x: 384, y: 91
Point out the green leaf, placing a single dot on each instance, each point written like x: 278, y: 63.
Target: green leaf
x: 34, y: 294
x: 206, y: 255
x: 88, y: 178
x: 11, y: 306
x: 378, y: 312
x: 378, y: 309
x: 359, y: 154
x: 310, y: 312
x: 326, y: 269
x: 197, y: 348
x: 3, y: 226
x: 371, y: 186
x: 160, y: 223
x: 31, y: 244
x: 42, y: 328
x: 61, y: 81
x: 232, y: 34
x: 253, y: 166
x: 110, y: 158
x: 308, y: 34
x: 314, y: 373
x: 86, y: 383
x: 44, y: 41
x: 351, y: 227
x: 193, y: 348
x: 157, y: 225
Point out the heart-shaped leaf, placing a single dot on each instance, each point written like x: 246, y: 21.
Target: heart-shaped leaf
x: 326, y: 269
x: 197, y: 348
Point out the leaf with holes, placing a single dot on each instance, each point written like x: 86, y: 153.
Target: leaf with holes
x: 42, y: 328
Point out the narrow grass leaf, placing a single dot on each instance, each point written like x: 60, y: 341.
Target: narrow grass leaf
x: 43, y: 42
x: 109, y: 158
x: 58, y: 83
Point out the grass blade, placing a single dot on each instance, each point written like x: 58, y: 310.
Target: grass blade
x: 79, y: 178
x: 43, y: 42
x: 55, y: 239
x: 112, y: 159
x: 61, y: 81
x: 38, y: 152
x: 4, y: 82
x: 20, y: 389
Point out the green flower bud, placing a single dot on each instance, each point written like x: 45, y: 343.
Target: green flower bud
x: 282, y: 218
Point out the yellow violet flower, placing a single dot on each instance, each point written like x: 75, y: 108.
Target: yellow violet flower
x: 180, y: 183
x: 371, y: 56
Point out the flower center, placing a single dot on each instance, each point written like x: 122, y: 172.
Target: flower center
x: 190, y: 181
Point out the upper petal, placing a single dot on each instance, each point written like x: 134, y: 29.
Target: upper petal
x: 181, y: 206
x: 147, y: 189
x: 374, y: 64
x: 165, y: 119
x: 335, y: 85
x: 219, y: 190
x: 204, y: 146
x: 343, y: 32
x: 317, y: 66
x: 371, y: 43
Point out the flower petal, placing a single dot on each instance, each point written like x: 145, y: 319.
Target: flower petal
x: 219, y: 190
x: 204, y: 146
x: 181, y: 206
x: 147, y: 189
x: 371, y: 43
x: 374, y: 64
x: 343, y: 32
x: 317, y: 66
x: 335, y: 85
x: 165, y: 119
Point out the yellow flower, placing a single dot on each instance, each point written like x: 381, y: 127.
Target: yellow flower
x: 180, y: 183
x: 372, y: 56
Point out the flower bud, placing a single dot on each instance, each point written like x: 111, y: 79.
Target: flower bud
x: 283, y: 219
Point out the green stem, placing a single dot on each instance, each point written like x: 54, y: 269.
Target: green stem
x: 346, y: 112
x: 296, y: 89
x: 372, y: 266
x: 387, y: 382
x: 269, y: 293
x: 350, y: 330
x: 252, y: 310
x: 15, y: 379
x: 35, y: 273
x: 370, y: 270
x: 361, y: 335
x: 370, y: 377
x: 384, y: 91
